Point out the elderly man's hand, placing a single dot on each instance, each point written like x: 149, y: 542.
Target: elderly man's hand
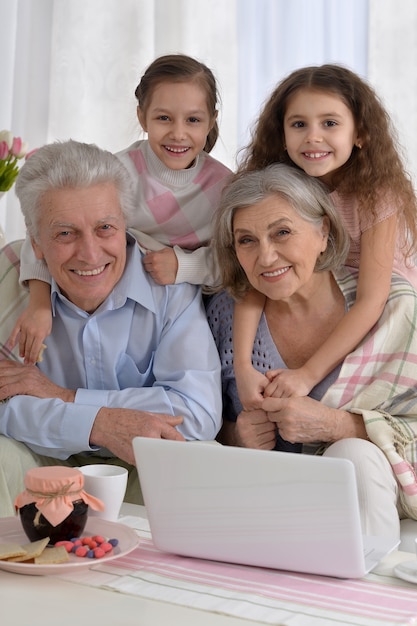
x: 114, y: 429
x: 17, y: 379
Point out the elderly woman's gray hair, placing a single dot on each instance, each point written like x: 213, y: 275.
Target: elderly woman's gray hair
x: 69, y: 165
x: 305, y: 194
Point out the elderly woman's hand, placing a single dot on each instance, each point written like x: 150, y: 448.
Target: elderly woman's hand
x: 304, y: 420
x: 254, y: 430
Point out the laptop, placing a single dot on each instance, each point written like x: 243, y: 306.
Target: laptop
x: 272, y: 509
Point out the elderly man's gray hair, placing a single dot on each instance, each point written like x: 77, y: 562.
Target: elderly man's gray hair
x: 70, y: 165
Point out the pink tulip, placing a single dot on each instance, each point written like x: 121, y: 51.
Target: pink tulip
x: 4, y: 150
x: 11, y: 150
x: 16, y: 146
x: 23, y: 150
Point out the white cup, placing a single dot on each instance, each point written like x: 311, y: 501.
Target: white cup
x: 108, y: 483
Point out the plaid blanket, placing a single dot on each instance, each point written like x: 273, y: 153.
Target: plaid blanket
x: 13, y: 298
x: 379, y: 381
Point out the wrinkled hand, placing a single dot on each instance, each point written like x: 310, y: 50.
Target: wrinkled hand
x: 162, y: 265
x: 32, y: 327
x: 304, y: 420
x: 18, y: 379
x: 284, y: 383
x: 254, y: 430
x: 114, y: 429
x: 250, y: 386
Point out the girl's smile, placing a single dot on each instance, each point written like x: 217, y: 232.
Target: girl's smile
x: 177, y: 121
x: 320, y: 132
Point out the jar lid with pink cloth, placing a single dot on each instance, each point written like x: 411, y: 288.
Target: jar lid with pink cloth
x: 54, y: 503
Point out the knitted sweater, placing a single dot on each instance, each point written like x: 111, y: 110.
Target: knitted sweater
x: 265, y: 356
x: 176, y: 208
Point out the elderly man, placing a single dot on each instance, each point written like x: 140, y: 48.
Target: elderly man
x: 125, y: 357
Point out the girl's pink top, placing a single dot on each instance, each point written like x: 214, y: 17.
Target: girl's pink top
x: 356, y: 224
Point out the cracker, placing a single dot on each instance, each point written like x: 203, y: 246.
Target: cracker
x: 33, y: 549
x: 9, y: 550
x: 50, y: 556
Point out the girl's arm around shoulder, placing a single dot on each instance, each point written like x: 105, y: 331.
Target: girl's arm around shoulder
x: 374, y: 281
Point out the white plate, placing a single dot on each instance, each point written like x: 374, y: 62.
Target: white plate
x: 407, y: 571
x: 11, y: 531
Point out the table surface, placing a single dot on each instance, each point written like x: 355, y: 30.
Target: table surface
x: 48, y: 601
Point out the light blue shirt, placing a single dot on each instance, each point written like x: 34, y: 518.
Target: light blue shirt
x: 147, y: 347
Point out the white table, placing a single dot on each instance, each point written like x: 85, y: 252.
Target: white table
x: 48, y: 601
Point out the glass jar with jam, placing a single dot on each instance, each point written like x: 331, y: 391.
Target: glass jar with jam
x: 54, y: 503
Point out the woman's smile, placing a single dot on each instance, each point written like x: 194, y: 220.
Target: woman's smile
x: 276, y: 247
x: 276, y: 273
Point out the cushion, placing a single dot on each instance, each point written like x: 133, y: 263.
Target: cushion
x: 13, y: 297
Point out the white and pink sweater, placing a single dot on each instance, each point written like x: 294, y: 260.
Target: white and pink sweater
x: 176, y: 208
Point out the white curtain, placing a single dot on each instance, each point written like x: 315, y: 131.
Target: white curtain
x: 70, y: 67
x: 73, y: 66
x: 277, y: 36
x: 392, y: 68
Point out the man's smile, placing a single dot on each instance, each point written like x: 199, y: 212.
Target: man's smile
x: 94, y: 272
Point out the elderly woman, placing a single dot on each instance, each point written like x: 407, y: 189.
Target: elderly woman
x: 278, y: 232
